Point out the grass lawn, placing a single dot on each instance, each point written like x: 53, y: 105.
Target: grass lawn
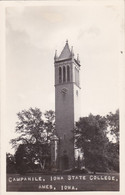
x: 84, y: 182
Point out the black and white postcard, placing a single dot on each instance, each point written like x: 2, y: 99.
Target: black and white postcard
x: 62, y: 109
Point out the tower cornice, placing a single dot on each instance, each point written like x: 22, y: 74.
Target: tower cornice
x: 77, y: 62
x: 69, y: 59
x: 62, y: 84
x: 63, y: 60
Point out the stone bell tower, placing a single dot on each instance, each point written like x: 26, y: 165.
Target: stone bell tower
x: 67, y: 104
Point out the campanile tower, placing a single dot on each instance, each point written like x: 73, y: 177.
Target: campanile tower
x: 67, y: 103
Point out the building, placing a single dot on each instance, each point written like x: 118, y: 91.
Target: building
x: 67, y: 104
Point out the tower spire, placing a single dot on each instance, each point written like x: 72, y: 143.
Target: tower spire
x: 66, y: 53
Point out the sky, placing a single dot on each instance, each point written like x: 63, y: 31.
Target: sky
x: 33, y: 33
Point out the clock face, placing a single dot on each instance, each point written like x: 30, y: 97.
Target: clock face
x: 64, y: 90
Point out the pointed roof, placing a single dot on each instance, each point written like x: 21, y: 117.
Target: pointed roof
x: 66, y: 53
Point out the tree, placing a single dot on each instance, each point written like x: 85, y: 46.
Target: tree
x: 113, y: 124
x: 33, y: 143
x: 91, y: 137
x: 22, y: 159
x: 10, y: 163
x: 112, y: 152
x: 113, y: 146
x: 49, y: 122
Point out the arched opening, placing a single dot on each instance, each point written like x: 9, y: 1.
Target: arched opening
x: 68, y: 73
x: 60, y: 74
x: 64, y: 74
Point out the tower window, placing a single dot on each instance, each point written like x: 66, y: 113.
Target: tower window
x: 64, y: 74
x: 68, y: 73
x: 60, y: 74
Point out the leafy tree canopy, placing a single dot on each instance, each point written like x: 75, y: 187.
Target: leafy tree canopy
x: 33, y: 143
x: 113, y: 124
x: 91, y: 136
x: 32, y: 128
